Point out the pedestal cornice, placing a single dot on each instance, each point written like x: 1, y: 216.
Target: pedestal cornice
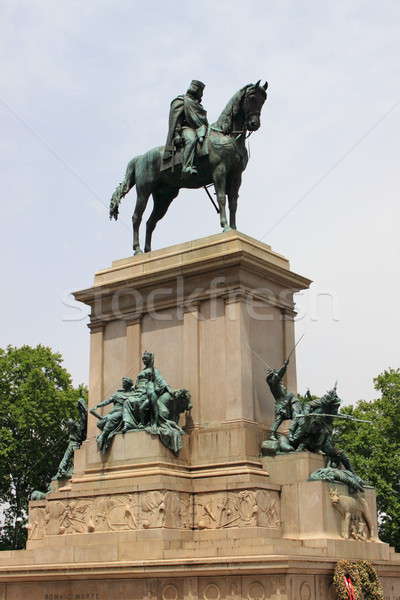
x: 212, y: 255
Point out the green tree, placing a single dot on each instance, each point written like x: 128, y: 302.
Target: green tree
x: 375, y: 450
x: 36, y: 399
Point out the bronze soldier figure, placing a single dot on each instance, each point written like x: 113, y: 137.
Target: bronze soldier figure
x: 187, y: 125
x: 112, y: 423
x: 283, y: 398
x: 77, y: 429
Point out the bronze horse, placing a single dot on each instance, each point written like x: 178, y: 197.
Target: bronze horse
x: 223, y: 166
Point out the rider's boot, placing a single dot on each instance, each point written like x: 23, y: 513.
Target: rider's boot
x: 190, y: 170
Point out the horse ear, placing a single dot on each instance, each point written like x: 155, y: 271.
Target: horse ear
x: 258, y: 83
x: 265, y: 86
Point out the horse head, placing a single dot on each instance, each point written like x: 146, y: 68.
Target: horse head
x: 243, y: 110
x: 253, y: 100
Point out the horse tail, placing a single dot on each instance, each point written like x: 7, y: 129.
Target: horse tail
x: 123, y: 188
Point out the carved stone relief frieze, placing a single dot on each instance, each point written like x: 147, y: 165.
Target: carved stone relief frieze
x: 155, y: 509
x: 119, y: 512
x: 245, y: 508
x: 37, y: 523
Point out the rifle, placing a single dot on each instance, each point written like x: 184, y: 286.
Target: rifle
x: 346, y: 417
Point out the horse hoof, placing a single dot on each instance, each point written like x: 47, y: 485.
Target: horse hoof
x: 137, y: 251
x: 227, y: 228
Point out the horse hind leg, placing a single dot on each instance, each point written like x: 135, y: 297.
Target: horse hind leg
x: 161, y: 205
x: 141, y: 203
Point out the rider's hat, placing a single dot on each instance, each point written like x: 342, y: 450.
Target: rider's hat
x: 198, y: 84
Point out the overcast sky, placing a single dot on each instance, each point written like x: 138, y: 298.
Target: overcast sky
x: 86, y: 85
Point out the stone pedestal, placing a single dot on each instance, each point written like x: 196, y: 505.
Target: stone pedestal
x: 215, y: 311
x: 217, y: 521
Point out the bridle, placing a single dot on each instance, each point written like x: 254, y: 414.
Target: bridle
x: 237, y: 134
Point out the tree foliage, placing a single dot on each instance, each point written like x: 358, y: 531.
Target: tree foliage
x: 375, y: 449
x: 36, y: 399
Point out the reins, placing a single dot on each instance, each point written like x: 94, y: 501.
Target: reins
x: 233, y: 133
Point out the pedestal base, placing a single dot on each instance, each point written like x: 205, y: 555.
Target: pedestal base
x: 212, y: 523
x: 268, y: 577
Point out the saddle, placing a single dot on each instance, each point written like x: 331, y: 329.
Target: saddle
x: 175, y: 160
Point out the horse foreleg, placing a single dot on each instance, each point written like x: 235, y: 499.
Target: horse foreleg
x: 141, y: 203
x: 233, y: 195
x: 219, y: 177
x: 161, y: 205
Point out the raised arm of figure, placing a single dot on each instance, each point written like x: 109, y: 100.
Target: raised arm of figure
x: 281, y: 372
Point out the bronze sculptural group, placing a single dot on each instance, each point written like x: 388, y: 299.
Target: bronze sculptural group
x: 212, y: 154
x: 311, y: 430
x: 149, y: 404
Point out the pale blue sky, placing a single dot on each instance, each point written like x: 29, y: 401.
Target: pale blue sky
x: 86, y: 85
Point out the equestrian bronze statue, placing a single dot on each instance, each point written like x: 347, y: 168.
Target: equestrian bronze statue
x: 196, y: 155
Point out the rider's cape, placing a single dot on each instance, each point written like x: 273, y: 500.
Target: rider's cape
x: 187, y: 112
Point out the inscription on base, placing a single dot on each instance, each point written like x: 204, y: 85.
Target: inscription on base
x: 82, y: 596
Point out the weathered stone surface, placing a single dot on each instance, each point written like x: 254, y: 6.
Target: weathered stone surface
x: 260, y: 586
x: 217, y: 521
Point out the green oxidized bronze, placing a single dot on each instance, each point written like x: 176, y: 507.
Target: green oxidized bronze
x: 287, y: 405
x: 77, y: 434
x: 196, y: 155
x: 187, y: 127
x: 77, y: 429
x: 111, y: 423
x: 283, y: 399
x: 149, y: 405
x: 336, y: 474
x: 311, y: 430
